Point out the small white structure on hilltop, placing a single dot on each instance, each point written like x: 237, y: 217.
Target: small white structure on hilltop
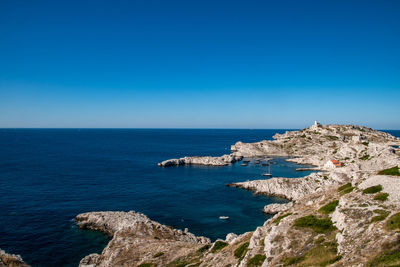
x: 316, y: 125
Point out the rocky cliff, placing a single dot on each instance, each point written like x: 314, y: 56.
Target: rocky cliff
x: 340, y: 216
x: 11, y: 260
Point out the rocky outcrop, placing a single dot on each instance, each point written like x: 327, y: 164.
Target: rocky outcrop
x: 293, y: 188
x: 136, y: 239
x: 197, y: 160
x: 11, y: 260
x: 277, y: 207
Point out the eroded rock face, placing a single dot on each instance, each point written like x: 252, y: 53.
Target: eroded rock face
x: 11, y: 260
x: 276, y: 208
x: 136, y: 239
x: 208, y: 161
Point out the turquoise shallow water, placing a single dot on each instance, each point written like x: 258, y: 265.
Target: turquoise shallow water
x: 47, y: 176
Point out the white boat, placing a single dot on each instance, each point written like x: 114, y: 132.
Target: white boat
x: 224, y: 217
x: 268, y: 174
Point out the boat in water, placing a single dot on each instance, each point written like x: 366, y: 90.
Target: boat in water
x: 223, y: 217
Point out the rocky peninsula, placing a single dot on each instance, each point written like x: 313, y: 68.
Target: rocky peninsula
x: 347, y: 214
x: 11, y: 260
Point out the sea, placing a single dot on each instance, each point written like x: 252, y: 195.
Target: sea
x: 48, y: 176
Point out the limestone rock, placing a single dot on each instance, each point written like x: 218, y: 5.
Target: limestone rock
x: 11, y: 260
x: 197, y: 160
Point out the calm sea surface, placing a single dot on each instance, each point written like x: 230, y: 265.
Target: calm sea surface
x: 48, y: 176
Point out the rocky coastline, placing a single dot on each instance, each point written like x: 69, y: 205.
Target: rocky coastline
x: 347, y: 214
x: 11, y: 260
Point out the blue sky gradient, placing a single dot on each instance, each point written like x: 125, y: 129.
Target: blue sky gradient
x: 199, y: 64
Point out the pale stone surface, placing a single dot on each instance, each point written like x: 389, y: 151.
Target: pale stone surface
x: 276, y: 208
x: 197, y: 160
x: 11, y: 260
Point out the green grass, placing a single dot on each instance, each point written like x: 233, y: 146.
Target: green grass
x: 240, y: 252
x: 392, y: 171
x: 382, y: 214
x: 381, y: 196
x: 373, y: 189
x: 204, y: 248
x: 330, y: 207
x: 218, y: 246
x: 314, y: 223
x: 278, y: 220
x: 393, y: 223
x: 388, y: 257
x: 158, y: 254
x: 320, y: 255
x: 331, y: 137
x: 257, y: 260
x: 366, y: 157
x: 345, y: 186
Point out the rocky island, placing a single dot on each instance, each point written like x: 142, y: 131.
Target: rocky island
x: 347, y: 214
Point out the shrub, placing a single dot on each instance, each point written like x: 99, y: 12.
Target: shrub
x: 365, y: 157
x: 158, y: 254
x: 373, y: 189
x: 257, y: 260
x: 240, y: 252
x: 381, y: 196
x: 365, y: 143
x: 314, y: 223
x: 345, y: 186
x: 346, y: 191
x: 392, y: 171
x: 330, y: 207
x: 393, y: 222
x: 320, y: 255
x: 331, y: 137
x: 389, y: 257
x: 325, y: 177
x: 382, y: 214
x: 145, y: 264
x: 218, y: 245
x: 204, y: 248
x: 278, y: 220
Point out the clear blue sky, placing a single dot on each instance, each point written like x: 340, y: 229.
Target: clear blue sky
x: 199, y: 64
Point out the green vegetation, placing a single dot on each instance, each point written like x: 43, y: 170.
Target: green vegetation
x: 345, y: 189
x: 320, y: 255
x: 345, y: 186
x: 240, y: 252
x: 393, y: 222
x: 218, y: 246
x: 262, y: 242
x: 204, y: 248
x: 314, y: 223
x: 365, y: 157
x: 365, y: 143
x: 330, y: 207
x: 257, y: 260
x: 389, y: 257
x: 325, y: 177
x: 303, y: 136
x: 278, y: 220
x: 145, y: 264
x: 373, y: 189
x: 331, y: 137
x: 381, y: 196
x: 158, y: 254
x: 382, y: 214
x: 392, y: 171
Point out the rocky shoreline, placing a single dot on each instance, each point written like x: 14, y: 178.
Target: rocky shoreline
x: 348, y: 214
x: 198, y: 160
x: 11, y: 260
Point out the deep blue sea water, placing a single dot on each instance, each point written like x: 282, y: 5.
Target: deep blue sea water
x: 48, y: 176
